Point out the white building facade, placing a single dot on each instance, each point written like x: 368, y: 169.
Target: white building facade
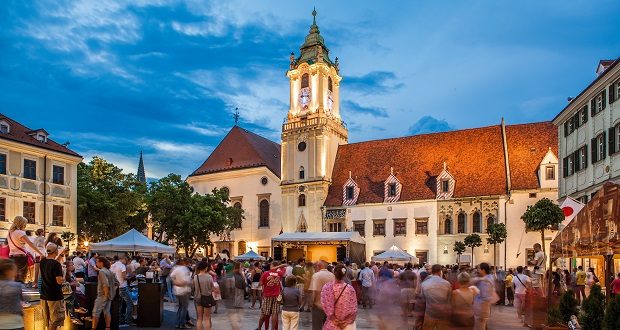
x: 38, y: 179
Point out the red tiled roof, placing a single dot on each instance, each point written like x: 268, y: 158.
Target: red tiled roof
x: 527, y: 146
x: 240, y: 149
x: 475, y: 157
x: 20, y: 133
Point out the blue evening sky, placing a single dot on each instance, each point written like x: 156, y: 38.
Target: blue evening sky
x: 164, y: 76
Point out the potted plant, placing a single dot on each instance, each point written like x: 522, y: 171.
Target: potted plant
x: 554, y: 319
x: 593, y: 310
x: 568, y: 306
x: 612, y: 313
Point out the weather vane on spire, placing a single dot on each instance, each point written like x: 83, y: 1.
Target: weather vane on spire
x: 236, y: 116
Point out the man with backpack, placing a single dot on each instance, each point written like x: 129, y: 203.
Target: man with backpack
x: 106, y: 291
x: 51, y: 289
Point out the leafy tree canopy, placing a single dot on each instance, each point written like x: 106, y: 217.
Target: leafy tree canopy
x: 459, y: 247
x: 543, y: 215
x: 473, y: 240
x: 497, y: 233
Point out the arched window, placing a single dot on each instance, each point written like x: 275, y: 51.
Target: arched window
x: 237, y: 205
x: 329, y: 84
x: 301, y: 200
x: 305, y: 80
x: 241, y: 247
x: 477, y: 224
x: 462, y: 219
x: 490, y: 220
x: 263, y: 212
x: 302, y: 173
x: 447, y: 226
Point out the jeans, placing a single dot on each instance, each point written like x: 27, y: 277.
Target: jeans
x: 182, y: 310
x: 127, y: 316
x: 169, y: 288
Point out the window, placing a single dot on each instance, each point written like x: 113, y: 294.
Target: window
x: 360, y: 227
x: 445, y: 185
x: 583, y: 115
x: 58, y: 215
x: 421, y: 227
x: 569, y: 165
x: 583, y: 199
x: 617, y: 135
x: 242, y: 247
x: 350, y: 192
x: 477, y: 223
x: 533, y: 195
x: 237, y: 205
x: 378, y: 227
x: 264, y: 181
x: 335, y: 227
x: 550, y: 172
x: 305, y: 80
x: 2, y: 209
x: 598, y: 148
x: 462, y: 223
x: 2, y: 164
x: 329, y: 84
x: 4, y: 128
x: 490, y: 220
x: 447, y: 226
x: 598, y: 103
x: 581, y: 159
x: 400, y: 227
x: 30, y: 169
x: 29, y: 211
x: 301, y: 200
x: 302, y: 173
x: 263, y: 212
x: 614, y: 139
x: 392, y: 190
x: 58, y: 174
x: 301, y: 146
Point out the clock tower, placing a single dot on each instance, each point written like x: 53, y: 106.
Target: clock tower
x: 311, y: 134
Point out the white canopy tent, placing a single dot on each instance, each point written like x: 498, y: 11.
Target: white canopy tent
x: 250, y: 255
x: 394, y: 254
x: 132, y: 241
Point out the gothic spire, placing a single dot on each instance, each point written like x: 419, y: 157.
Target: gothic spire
x: 313, y: 49
x: 141, y: 174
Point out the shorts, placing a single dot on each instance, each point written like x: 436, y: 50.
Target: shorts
x: 270, y: 306
x: 255, y: 285
x: 101, y: 305
x: 407, y: 295
x: 53, y: 312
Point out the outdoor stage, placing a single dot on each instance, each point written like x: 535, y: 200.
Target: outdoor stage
x: 327, y: 246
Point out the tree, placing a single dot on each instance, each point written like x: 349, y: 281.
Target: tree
x: 67, y: 236
x: 472, y: 241
x: 542, y: 216
x: 459, y: 248
x: 109, y: 201
x: 612, y: 313
x: 568, y: 306
x: 497, y: 235
x: 167, y: 200
x: 593, y: 309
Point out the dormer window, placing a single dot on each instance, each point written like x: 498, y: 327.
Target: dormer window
x: 41, y: 138
x: 39, y: 134
x: 445, y: 186
x: 350, y: 192
x: 4, y: 128
x: 392, y: 188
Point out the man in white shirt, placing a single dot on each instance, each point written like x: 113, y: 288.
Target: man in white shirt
x: 521, y: 282
x: 80, y: 265
x: 181, y: 280
x: 119, y: 270
x: 319, y: 279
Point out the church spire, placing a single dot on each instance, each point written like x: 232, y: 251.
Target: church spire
x: 313, y: 49
x: 141, y: 175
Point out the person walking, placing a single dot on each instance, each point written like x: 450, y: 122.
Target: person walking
x: 339, y: 302
x: 488, y: 296
x: 291, y: 303
x: 308, y: 298
x: 407, y: 281
x: 39, y: 242
x: 11, y: 311
x: 615, y: 287
x: 240, y: 285
x: 299, y: 272
x: 367, y: 277
x: 18, y: 240
x: 580, y: 284
x: 181, y: 281
x: 319, y: 279
x: 92, y: 269
x: 52, y: 278
x: 437, y: 295
x: 256, y: 272
x: 203, y: 286
x: 508, y: 283
x: 119, y: 269
x: 522, y: 283
x: 106, y: 290
x: 271, y: 281
x: 166, y: 266
x: 463, y: 303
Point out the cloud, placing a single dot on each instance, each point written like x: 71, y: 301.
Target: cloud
x: 173, y: 148
x: 356, y: 108
x: 429, y: 124
x: 203, y: 129
x: 375, y: 82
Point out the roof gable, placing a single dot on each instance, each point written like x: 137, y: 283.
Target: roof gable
x: 241, y: 149
x: 22, y: 134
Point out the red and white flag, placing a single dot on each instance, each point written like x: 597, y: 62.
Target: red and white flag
x: 570, y: 207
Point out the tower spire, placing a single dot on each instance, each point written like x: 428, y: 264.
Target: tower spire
x: 314, y: 16
x: 141, y: 174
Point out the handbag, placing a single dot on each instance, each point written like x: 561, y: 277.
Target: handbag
x: 29, y: 257
x: 205, y: 300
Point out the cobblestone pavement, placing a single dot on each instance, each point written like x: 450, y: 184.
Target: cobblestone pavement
x: 376, y: 318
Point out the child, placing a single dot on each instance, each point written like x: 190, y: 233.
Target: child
x: 11, y: 312
x: 291, y: 302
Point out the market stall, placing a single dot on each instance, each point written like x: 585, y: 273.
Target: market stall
x: 250, y: 255
x: 394, y: 254
x: 132, y: 241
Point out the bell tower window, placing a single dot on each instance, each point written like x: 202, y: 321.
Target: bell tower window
x: 329, y: 84
x: 302, y: 173
x: 305, y: 80
x: 302, y: 200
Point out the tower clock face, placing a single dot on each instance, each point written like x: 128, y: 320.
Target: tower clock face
x: 304, y: 98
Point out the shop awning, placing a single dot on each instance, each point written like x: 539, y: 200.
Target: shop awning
x: 350, y: 236
x: 594, y: 231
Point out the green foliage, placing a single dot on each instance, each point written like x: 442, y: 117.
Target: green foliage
x: 612, y: 314
x: 593, y: 310
x: 497, y: 233
x: 109, y: 201
x: 543, y: 215
x: 187, y: 218
x: 472, y: 241
x: 67, y: 236
x: 568, y: 306
x: 554, y: 316
x: 459, y: 247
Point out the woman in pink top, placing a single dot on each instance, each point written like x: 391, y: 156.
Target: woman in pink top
x: 17, y: 240
x: 339, y: 302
